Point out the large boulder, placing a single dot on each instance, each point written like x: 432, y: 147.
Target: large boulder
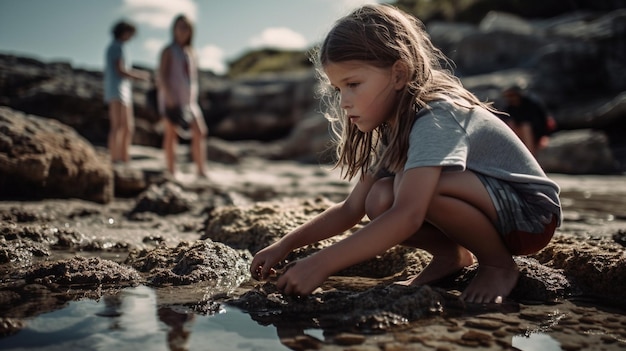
x: 72, y: 96
x: 265, y: 107
x: 41, y: 157
x: 584, y: 151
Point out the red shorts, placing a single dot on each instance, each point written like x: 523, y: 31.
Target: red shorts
x: 524, y: 243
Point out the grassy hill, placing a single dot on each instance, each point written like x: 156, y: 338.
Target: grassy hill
x: 268, y: 60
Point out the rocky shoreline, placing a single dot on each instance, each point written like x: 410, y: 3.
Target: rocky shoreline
x: 74, y: 227
x: 199, y: 235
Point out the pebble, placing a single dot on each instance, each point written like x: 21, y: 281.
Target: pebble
x: 478, y: 337
x: 483, y: 324
x: 588, y: 320
x: 302, y: 342
x: 571, y: 347
x: 349, y: 339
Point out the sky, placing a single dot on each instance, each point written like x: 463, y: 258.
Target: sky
x: 78, y: 31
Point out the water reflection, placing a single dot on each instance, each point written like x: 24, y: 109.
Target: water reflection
x: 536, y: 342
x: 132, y: 320
x: 139, y: 319
x: 179, y: 323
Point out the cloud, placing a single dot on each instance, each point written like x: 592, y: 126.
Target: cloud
x: 280, y: 38
x: 158, y: 13
x: 211, y: 57
x: 153, y: 46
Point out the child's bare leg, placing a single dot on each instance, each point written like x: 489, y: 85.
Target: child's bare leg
x: 198, y: 145
x: 462, y: 209
x: 464, y: 195
x: 448, y: 256
x: 170, y: 141
x: 115, y: 116
x: 127, y: 129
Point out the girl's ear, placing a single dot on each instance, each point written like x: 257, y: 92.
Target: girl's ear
x: 399, y: 74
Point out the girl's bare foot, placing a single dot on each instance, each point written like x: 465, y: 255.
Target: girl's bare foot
x: 491, y: 284
x: 440, y: 267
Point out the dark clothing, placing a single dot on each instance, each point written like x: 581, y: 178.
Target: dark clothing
x: 530, y: 111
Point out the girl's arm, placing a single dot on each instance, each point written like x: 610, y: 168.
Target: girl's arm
x: 335, y: 220
x: 400, y: 222
x: 132, y: 73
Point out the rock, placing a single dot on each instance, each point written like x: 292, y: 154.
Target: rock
x: 375, y: 309
x: 540, y: 283
x: 266, y: 107
x: 129, y: 181
x: 582, y: 151
x: 309, y: 141
x: 43, y: 158
x: 21, y: 252
x: 253, y: 228
x: 506, y: 50
x: 20, y: 215
x: 72, y: 96
x: 596, y: 267
x: 203, y: 261
x: 537, y: 283
x: 10, y: 326
x: 164, y: 199
x: 85, y: 273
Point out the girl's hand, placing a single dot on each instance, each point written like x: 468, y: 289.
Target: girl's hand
x: 302, y: 277
x: 263, y: 263
x: 144, y: 75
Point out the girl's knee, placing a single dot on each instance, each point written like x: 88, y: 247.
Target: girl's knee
x: 380, y: 197
x: 200, y: 134
x: 199, y: 129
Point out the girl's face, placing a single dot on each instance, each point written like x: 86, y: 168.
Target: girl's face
x: 368, y: 93
x: 182, y: 31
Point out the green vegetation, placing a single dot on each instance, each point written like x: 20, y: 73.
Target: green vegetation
x: 268, y: 60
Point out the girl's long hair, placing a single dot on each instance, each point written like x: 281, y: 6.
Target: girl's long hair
x: 381, y: 35
x: 183, y: 18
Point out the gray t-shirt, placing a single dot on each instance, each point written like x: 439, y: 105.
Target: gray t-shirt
x: 116, y: 87
x: 459, y: 138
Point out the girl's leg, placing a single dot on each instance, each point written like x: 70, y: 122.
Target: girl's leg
x: 115, y: 117
x: 127, y: 129
x: 198, y: 144
x: 170, y: 141
x: 451, y: 238
x: 448, y: 256
x: 464, y: 195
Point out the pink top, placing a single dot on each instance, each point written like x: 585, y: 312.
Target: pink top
x: 182, y: 79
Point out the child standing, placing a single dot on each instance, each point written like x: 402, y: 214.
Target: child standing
x: 437, y: 169
x: 118, y: 92
x: 178, y: 95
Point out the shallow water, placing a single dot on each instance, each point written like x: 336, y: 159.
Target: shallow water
x: 133, y: 320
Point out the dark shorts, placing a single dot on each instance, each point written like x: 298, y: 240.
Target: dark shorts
x: 527, y: 219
